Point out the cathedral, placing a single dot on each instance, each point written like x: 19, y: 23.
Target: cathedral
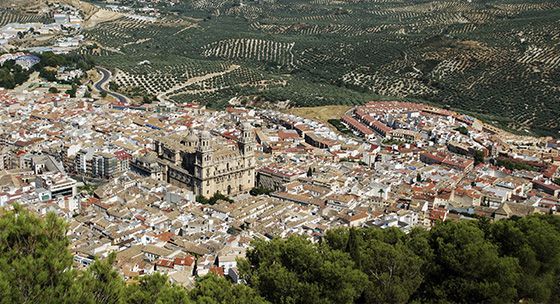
x: 206, y: 164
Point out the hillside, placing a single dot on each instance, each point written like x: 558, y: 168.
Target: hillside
x: 499, y: 59
x: 507, y: 261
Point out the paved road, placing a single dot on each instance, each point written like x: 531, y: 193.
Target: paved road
x: 101, y: 84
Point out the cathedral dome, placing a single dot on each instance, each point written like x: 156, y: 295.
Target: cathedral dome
x: 246, y: 126
x: 191, y: 137
x: 205, y: 134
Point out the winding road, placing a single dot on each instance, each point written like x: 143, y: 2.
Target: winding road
x: 102, y: 83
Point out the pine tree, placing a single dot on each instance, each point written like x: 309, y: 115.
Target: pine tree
x: 353, y: 246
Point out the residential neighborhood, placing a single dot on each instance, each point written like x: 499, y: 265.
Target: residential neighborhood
x: 279, y: 152
x: 132, y: 180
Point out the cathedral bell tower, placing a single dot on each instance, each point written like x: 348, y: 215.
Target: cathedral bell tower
x: 203, y: 148
x: 190, y: 140
x: 203, y: 158
x: 247, y: 140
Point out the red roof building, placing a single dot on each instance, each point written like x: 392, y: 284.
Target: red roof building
x: 357, y: 126
x: 186, y: 261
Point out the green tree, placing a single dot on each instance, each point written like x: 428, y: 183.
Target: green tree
x: 156, y: 288
x: 34, y: 260
x: 463, y: 130
x: 48, y: 73
x: 353, y: 246
x: 113, y: 86
x: 100, y: 283
x: 20, y: 76
x: 7, y: 80
x: 478, y: 157
x: 394, y: 272
x: 212, y: 289
x: 467, y: 267
x: 256, y: 191
x: 535, y: 243
x: 72, y: 91
x: 148, y: 98
x: 213, y: 199
x: 294, y: 270
x: 50, y: 59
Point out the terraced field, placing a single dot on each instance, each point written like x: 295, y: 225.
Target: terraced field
x: 8, y: 15
x: 498, y: 59
x: 255, y: 49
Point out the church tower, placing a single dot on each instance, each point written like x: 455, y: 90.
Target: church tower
x: 203, y: 156
x: 247, y: 140
x: 247, y: 148
x: 190, y: 140
x: 203, y: 146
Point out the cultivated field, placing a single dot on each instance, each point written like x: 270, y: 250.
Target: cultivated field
x: 494, y: 58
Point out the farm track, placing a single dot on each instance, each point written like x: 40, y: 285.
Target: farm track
x: 173, y: 91
x: 493, y: 58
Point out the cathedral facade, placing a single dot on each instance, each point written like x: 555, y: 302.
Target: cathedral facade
x: 206, y: 164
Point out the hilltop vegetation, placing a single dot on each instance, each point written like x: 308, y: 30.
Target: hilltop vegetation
x: 455, y: 262
x: 35, y: 266
x: 12, y: 75
x: 497, y: 58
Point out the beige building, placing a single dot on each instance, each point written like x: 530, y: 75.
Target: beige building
x: 206, y: 164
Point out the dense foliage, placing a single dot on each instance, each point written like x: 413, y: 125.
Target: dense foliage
x: 514, y: 165
x: 455, y: 262
x: 213, y: 199
x: 340, y: 126
x: 72, y: 60
x: 256, y: 191
x: 35, y: 267
x: 12, y: 75
x: 497, y: 59
x: 463, y: 130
